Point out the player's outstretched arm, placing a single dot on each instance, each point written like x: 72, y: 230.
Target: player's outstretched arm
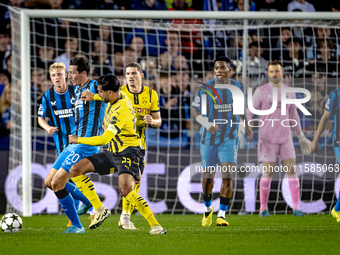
x: 321, y: 128
x: 42, y: 122
x: 89, y: 96
x: 94, y: 140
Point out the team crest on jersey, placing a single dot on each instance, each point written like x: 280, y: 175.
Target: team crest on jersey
x: 144, y: 100
x: 113, y: 120
x: 197, y: 100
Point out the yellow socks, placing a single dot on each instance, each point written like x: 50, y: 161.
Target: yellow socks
x: 85, y: 185
x: 136, y: 188
x: 143, y: 207
x: 126, y: 206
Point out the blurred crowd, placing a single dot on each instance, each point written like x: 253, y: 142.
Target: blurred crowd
x: 176, y: 57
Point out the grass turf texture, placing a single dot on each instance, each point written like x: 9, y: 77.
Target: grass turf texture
x: 281, y: 234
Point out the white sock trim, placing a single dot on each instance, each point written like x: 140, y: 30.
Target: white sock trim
x: 208, y: 209
x: 221, y: 214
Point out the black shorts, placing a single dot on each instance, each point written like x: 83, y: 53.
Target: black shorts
x: 125, y: 162
x: 141, y: 161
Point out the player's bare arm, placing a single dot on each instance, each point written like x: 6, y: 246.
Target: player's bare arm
x: 321, y: 128
x: 87, y: 96
x: 247, y: 128
x: 154, y: 119
x: 42, y: 122
x: 305, y: 144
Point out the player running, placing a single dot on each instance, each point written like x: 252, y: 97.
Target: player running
x: 276, y: 140
x: 88, y: 119
x: 122, y: 154
x: 58, y: 104
x: 219, y: 143
x: 332, y: 107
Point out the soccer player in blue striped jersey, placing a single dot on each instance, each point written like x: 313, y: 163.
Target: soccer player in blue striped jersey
x: 88, y: 118
x: 219, y: 142
x: 332, y: 107
x: 57, y: 105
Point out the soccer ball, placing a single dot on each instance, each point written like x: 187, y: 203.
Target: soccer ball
x: 11, y: 223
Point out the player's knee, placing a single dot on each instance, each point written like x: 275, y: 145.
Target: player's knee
x: 75, y: 171
x: 207, y: 181
x: 227, y: 180
x: 48, y: 183
x: 56, y: 184
x: 125, y: 190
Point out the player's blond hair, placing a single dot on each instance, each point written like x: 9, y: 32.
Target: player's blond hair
x: 56, y: 65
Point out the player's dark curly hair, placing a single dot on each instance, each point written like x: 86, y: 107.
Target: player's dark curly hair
x: 222, y: 58
x: 82, y: 64
x: 109, y: 82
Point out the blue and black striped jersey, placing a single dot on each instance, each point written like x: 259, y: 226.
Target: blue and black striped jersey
x: 333, y: 107
x: 58, y: 107
x: 216, y: 110
x: 88, y: 115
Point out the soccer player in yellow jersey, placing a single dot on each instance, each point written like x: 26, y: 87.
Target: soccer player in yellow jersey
x: 146, y: 104
x: 122, y: 154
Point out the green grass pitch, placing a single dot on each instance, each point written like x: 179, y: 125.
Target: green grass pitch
x: 280, y: 234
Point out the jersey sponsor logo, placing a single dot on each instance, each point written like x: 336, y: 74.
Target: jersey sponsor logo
x: 63, y: 113
x: 53, y: 103
x: 73, y: 100
x: 142, y: 110
x: 223, y: 107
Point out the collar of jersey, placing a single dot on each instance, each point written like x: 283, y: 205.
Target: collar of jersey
x: 127, y: 86
x: 121, y: 97
x: 85, y: 85
x: 61, y: 93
